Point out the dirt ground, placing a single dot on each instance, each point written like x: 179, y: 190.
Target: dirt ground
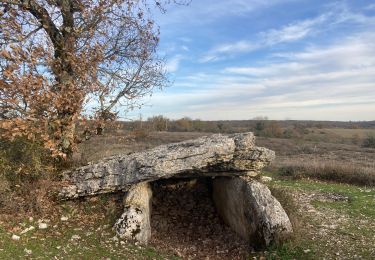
x: 185, y: 223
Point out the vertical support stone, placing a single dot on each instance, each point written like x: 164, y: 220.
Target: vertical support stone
x: 135, y: 223
x: 248, y: 207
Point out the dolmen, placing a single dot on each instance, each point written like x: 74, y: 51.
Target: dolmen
x: 231, y: 162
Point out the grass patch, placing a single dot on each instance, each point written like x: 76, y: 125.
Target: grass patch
x: 70, y: 241
x: 330, y: 229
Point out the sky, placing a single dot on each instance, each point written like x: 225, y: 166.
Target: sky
x: 284, y: 59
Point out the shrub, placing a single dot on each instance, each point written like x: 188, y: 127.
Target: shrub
x: 22, y: 160
x: 140, y: 134
x: 369, y: 142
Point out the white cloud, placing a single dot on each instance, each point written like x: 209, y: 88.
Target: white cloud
x: 174, y: 63
x: 294, y: 31
x: 335, y: 82
x: 370, y: 7
x: 241, y: 46
x: 224, y: 50
x: 207, y: 11
x: 323, y: 81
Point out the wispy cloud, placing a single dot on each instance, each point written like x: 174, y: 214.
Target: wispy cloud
x: 334, y: 78
x: 370, y: 7
x: 208, y: 11
x: 292, y: 32
x: 173, y: 63
x: 222, y: 51
x: 300, y: 65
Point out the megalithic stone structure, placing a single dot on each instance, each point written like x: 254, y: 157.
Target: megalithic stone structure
x: 229, y: 160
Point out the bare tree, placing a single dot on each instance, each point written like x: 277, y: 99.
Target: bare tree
x: 57, y: 55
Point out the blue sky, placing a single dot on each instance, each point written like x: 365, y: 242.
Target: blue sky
x: 285, y: 59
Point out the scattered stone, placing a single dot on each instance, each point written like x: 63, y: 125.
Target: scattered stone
x: 64, y: 218
x: 265, y: 179
x: 252, y: 174
x: 27, y: 230
x: 28, y: 251
x: 307, y: 251
x: 31, y: 219
x: 42, y: 225
x: 15, y: 237
x: 75, y: 237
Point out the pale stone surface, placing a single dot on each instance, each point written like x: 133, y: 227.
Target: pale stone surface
x: 265, y: 179
x: 27, y: 230
x: 135, y: 223
x: 15, y: 237
x: 216, y: 155
x: 248, y: 207
x: 42, y: 225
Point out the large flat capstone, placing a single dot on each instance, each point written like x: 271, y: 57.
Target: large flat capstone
x: 216, y: 155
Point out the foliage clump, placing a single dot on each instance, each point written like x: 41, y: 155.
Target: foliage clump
x: 22, y: 160
x: 369, y: 142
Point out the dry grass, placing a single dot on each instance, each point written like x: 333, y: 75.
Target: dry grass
x: 330, y: 171
x: 349, y: 133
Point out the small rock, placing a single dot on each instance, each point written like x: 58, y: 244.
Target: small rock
x: 75, y: 237
x: 307, y: 251
x: 58, y: 247
x: 266, y: 179
x: 28, y: 251
x: 42, y: 225
x: 31, y: 219
x: 15, y: 237
x: 27, y: 230
x: 252, y: 174
x: 63, y: 218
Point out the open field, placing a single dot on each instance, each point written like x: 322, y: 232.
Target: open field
x: 333, y: 219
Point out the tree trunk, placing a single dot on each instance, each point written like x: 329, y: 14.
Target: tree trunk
x: 67, y: 133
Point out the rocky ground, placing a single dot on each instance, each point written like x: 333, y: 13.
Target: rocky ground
x: 185, y: 223
x: 335, y: 221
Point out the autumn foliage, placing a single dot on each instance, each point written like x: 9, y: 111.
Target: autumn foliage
x: 59, y: 56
